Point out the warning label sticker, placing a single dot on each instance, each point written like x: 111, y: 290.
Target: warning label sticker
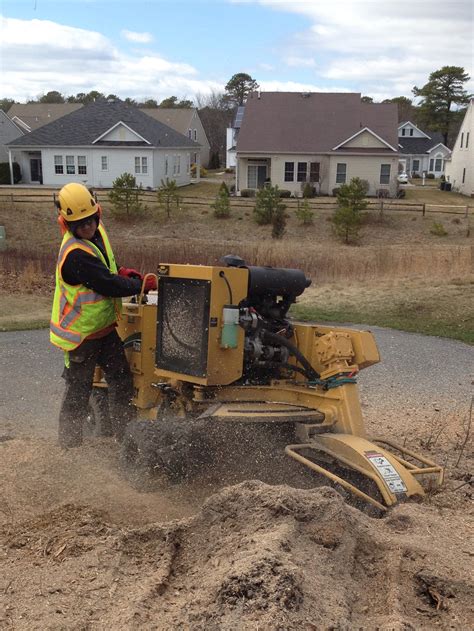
x: 387, y: 471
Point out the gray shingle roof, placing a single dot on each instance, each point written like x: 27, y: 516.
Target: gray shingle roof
x: 313, y: 122
x: 83, y: 126
x: 417, y: 146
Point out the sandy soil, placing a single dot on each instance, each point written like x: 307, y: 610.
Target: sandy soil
x: 82, y: 549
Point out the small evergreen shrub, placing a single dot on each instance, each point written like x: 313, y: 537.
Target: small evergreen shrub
x: 5, y: 173
x: 309, y: 190
x: 247, y: 192
x: 284, y: 193
x: 278, y: 221
x: 304, y: 213
x: 267, y: 204
x: 430, y: 176
x: 167, y: 196
x: 125, y: 197
x: 438, y: 229
x: 222, y: 204
x: 335, y: 191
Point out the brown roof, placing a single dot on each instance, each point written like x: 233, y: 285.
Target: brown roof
x: 311, y: 122
x: 178, y: 118
x: 38, y: 114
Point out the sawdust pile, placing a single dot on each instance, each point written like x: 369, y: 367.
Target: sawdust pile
x: 254, y: 556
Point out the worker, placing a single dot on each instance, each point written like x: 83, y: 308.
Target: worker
x: 86, y: 306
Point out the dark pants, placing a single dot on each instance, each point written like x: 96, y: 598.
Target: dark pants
x: 106, y: 352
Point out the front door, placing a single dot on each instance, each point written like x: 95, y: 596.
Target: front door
x: 36, y: 170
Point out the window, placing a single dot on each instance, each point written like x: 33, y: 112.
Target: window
x: 467, y: 140
x: 411, y: 132
x: 341, y: 172
x: 178, y: 165
x: 174, y: 165
x: 70, y: 167
x: 190, y: 133
x: 385, y: 174
x: 416, y: 166
x: 302, y: 171
x: 438, y: 164
x: 141, y: 165
x: 58, y: 165
x: 81, y: 165
x: 195, y: 134
x: 289, y: 171
x: 314, y: 172
x: 462, y: 140
x: 188, y: 164
x: 463, y: 175
x: 256, y: 175
x: 403, y: 131
x: 104, y: 163
x: 166, y: 165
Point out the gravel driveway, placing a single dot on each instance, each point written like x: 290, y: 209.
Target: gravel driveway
x: 416, y: 371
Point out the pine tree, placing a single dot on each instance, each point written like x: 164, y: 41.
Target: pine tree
x: 125, y: 197
x: 222, y: 204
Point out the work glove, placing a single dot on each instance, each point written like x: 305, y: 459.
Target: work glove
x: 150, y: 284
x: 129, y: 272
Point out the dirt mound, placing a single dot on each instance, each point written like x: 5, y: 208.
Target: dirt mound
x: 254, y: 556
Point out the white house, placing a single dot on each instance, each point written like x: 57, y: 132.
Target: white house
x: 420, y: 151
x: 232, y: 133
x: 460, y: 169
x: 9, y: 130
x: 325, y: 139
x: 100, y: 141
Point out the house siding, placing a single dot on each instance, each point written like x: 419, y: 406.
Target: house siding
x: 364, y: 167
x: 461, y: 165
x: 119, y: 161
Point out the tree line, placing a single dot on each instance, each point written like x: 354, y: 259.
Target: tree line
x: 440, y: 107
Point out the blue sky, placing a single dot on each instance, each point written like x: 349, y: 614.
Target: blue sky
x: 159, y: 48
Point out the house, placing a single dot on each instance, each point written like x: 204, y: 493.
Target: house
x: 421, y: 152
x: 8, y: 131
x: 186, y: 121
x: 98, y: 142
x: 231, y: 138
x: 30, y: 116
x: 326, y: 139
x: 460, y: 168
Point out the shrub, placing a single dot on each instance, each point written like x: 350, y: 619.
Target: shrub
x: 353, y: 194
x: 309, y: 190
x: 304, y: 213
x: 167, y: 196
x: 335, y: 191
x: 202, y: 171
x: 5, y: 173
x: 438, y: 229
x: 229, y: 170
x: 430, y: 176
x: 125, y: 197
x: 401, y: 193
x: 347, y: 222
x: 415, y: 176
x: 267, y: 204
x: 247, y: 192
x: 232, y: 189
x: 284, y: 193
x: 222, y: 204
x: 278, y: 221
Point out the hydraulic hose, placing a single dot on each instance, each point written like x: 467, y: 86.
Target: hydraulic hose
x: 273, y: 338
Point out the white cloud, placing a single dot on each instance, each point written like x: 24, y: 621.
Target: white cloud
x: 139, y: 38
x: 40, y: 55
x: 381, y: 44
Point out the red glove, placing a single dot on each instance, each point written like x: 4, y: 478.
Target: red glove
x: 150, y: 284
x: 129, y: 272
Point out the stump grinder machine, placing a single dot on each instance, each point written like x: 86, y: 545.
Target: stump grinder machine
x: 218, y: 348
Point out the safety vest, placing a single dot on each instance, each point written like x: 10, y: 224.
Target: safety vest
x: 77, y: 310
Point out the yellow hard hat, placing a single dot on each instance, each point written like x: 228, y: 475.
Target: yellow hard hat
x: 76, y: 202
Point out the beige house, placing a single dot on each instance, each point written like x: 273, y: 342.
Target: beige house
x: 326, y: 139
x: 460, y: 168
x: 186, y: 121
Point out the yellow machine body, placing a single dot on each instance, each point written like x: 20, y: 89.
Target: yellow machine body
x: 325, y: 411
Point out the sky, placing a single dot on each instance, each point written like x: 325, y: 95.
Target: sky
x: 159, y: 48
